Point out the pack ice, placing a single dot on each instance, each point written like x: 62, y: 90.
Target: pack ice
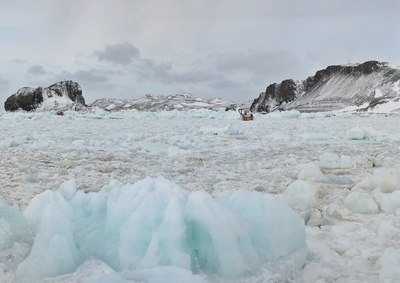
x: 151, y: 231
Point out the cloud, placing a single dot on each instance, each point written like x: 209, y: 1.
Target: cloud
x: 20, y: 61
x: 147, y: 69
x: 90, y: 76
x: 93, y: 78
x: 121, y: 53
x: 261, y: 66
x: 164, y: 72
x: 37, y: 70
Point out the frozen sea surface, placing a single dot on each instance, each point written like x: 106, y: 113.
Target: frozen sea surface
x: 340, y: 173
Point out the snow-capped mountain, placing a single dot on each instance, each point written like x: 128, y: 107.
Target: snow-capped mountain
x: 59, y: 96
x: 371, y: 86
x: 158, y: 103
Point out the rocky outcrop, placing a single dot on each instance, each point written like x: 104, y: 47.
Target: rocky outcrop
x: 359, y: 87
x: 58, y: 96
x: 26, y: 98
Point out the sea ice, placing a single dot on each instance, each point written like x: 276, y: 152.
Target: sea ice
x: 268, y: 154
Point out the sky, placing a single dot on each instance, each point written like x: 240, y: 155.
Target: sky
x: 229, y: 49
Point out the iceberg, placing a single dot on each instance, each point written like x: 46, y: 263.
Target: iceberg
x: 154, y: 226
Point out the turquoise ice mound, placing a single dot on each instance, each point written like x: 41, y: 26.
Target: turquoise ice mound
x: 154, y: 225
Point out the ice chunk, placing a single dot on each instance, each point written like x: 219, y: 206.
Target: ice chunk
x: 133, y: 226
x: 329, y: 161
x: 13, y: 226
x: 382, y: 179
x: 218, y: 238
x: 361, y: 202
x: 390, y: 262
x: 54, y: 251
x: 311, y: 172
x: 361, y: 133
x: 356, y: 134
x: 333, y: 161
x: 235, y: 129
x: 138, y: 228
x: 68, y: 189
x: 276, y: 230
x: 386, y: 181
x: 390, y: 203
x: 301, y: 196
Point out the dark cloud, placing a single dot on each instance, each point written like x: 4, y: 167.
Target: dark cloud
x: 148, y: 69
x: 164, y: 72
x: 261, y: 66
x: 37, y: 70
x: 20, y: 61
x: 91, y: 76
x: 122, y: 53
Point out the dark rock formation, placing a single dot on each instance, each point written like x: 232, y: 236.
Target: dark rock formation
x: 26, y: 98
x: 336, y: 87
x: 62, y: 94
x: 232, y: 107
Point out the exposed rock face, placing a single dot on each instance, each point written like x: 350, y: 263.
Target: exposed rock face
x: 58, y: 96
x: 359, y: 87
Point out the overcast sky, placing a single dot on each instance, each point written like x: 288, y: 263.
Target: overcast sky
x: 211, y: 48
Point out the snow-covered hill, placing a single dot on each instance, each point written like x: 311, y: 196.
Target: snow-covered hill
x: 158, y: 103
x: 371, y: 86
